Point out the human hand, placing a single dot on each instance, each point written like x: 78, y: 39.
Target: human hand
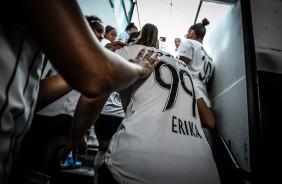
x: 148, y: 61
x: 115, y: 45
x: 73, y: 146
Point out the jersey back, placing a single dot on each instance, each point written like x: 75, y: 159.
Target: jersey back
x: 201, y: 66
x: 161, y: 139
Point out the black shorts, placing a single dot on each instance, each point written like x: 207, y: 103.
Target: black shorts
x: 106, y: 126
x: 42, y: 130
x: 105, y: 176
x: 48, y: 127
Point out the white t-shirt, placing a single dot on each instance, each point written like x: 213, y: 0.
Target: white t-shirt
x: 163, y: 46
x: 64, y: 105
x: 176, y: 54
x: 113, y: 106
x: 123, y: 37
x: 160, y: 140
x: 67, y: 103
x: 21, y: 68
x: 201, y: 66
x: 104, y: 42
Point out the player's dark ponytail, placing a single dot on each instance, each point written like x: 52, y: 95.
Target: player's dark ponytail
x: 200, y: 29
x: 205, y: 22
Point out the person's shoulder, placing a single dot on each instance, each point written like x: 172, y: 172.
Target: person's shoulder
x: 123, y: 37
x: 163, y: 54
x: 186, y: 43
x: 190, y: 41
x: 194, y: 44
x: 130, y: 51
x: 123, y: 34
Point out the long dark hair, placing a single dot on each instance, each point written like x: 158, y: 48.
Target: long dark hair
x: 133, y: 37
x: 148, y: 36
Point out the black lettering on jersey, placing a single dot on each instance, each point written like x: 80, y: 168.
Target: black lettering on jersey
x: 191, y: 128
x: 168, y: 55
x: 197, y: 132
x: 117, y: 98
x: 173, y: 87
x: 185, y: 127
x: 173, y: 124
x: 182, y: 63
x: 206, y: 72
x: 180, y: 130
x: 159, y: 54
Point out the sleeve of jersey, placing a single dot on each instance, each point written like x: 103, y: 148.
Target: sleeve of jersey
x: 186, y: 49
x: 104, y: 42
x: 197, y: 93
x: 129, y: 52
x: 49, y: 70
x: 122, y: 37
x: 123, y: 53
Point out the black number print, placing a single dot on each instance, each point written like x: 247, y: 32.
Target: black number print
x: 177, y: 77
x: 206, y: 72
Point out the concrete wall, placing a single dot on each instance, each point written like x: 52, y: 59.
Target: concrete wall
x: 267, y: 28
x: 266, y: 15
x: 229, y: 93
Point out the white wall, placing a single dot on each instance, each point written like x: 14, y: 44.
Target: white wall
x: 229, y: 93
x: 101, y: 8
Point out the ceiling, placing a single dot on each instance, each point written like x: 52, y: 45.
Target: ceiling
x: 222, y: 1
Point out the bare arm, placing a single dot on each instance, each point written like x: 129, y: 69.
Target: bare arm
x: 86, y: 113
x: 205, y: 113
x: 62, y: 32
x: 186, y: 60
x: 125, y: 97
x: 51, y: 89
x: 113, y: 46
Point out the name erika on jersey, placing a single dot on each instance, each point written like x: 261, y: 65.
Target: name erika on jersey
x: 184, y: 127
x: 178, y: 126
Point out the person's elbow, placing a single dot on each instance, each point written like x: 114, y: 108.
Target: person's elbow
x: 95, y: 88
x: 206, y: 116
x: 209, y: 123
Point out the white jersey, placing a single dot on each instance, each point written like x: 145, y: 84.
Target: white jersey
x: 21, y: 66
x: 123, y: 37
x: 160, y: 140
x: 176, y: 54
x: 113, y: 106
x: 64, y: 105
x: 201, y: 66
x: 163, y: 46
x: 105, y: 41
